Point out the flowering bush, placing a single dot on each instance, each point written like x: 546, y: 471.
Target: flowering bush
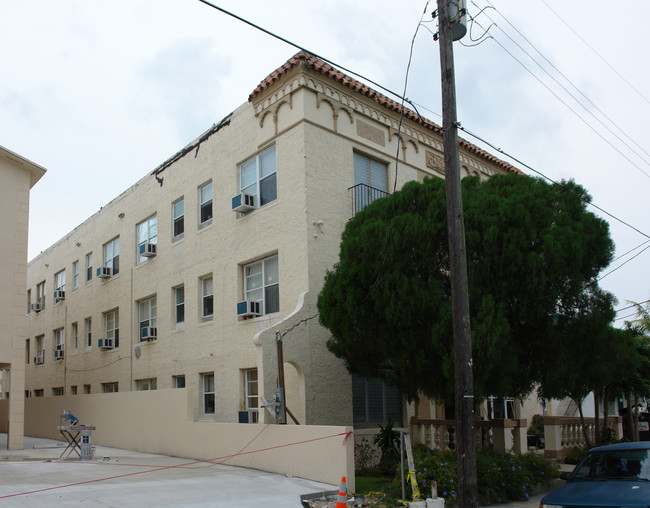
x: 500, y: 477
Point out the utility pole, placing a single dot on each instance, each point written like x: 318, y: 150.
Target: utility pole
x: 464, y: 397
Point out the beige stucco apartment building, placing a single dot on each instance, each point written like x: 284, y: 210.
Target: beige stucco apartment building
x: 17, y: 176
x: 190, y: 276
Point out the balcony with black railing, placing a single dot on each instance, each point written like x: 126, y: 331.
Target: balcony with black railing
x: 362, y: 195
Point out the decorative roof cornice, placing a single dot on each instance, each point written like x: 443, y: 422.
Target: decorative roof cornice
x: 319, y: 65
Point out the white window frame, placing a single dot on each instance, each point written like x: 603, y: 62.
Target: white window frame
x: 88, y: 331
x: 75, y: 274
x: 40, y: 294
x: 208, y: 393
x: 40, y: 346
x: 89, y: 267
x: 207, y: 295
x: 147, y: 315
x: 75, y: 336
x: 205, y: 203
x: 251, y: 387
x: 178, y: 381
x: 146, y: 384
x: 146, y: 232
x: 59, y: 281
x: 178, y: 219
x: 179, y: 305
x: 112, y: 255
x: 258, y: 172
x: 112, y: 326
x: 261, y: 282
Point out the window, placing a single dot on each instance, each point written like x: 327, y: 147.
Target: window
x: 38, y: 392
x: 207, y: 382
x: 250, y: 388
x: 370, y: 181
x: 75, y: 274
x: 75, y: 336
x: 178, y: 381
x: 146, y: 384
x: 147, y: 232
x: 29, y: 301
x: 111, y: 326
x: 179, y: 305
x: 257, y: 176
x: 59, y: 281
x: 205, y: 204
x: 27, y: 351
x: 40, y: 349
x: 261, y: 284
x: 59, y: 343
x: 57, y: 391
x: 112, y: 255
x: 178, y: 219
x: 109, y: 387
x: 40, y: 294
x: 86, y: 389
x: 88, y: 328
x: 206, y: 297
x: 375, y: 401
x: 147, y: 315
x: 89, y: 267
x: 73, y: 390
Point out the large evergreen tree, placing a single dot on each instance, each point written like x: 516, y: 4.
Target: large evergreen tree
x: 533, y: 253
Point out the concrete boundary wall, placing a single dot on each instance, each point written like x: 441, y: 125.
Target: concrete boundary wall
x: 159, y: 421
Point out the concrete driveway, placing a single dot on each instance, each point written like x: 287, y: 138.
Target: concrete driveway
x: 35, y: 476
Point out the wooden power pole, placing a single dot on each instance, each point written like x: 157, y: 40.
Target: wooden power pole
x: 464, y: 398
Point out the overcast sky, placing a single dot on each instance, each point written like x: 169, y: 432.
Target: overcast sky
x: 100, y: 93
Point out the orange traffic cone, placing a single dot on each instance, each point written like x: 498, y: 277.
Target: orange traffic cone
x: 342, y: 500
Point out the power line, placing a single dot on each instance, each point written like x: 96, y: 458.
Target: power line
x: 415, y: 105
x: 631, y: 306
x: 520, y: 162
x: 600, y: 135
x: 568, y: 81
x: 596, y: 52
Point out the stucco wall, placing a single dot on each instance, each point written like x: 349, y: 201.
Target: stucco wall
x: 145, y: 422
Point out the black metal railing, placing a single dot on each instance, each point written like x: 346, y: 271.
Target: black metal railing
x: 362, y: 195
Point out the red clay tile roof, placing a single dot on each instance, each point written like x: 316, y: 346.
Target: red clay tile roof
x: 319, y: 65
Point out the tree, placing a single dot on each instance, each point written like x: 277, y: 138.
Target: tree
x: 643, y: 317
x: 533, y: 253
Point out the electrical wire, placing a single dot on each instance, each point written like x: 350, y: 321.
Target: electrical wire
x: 404, y: 99
x: 301, y: 48
x: 623, y: 264
x: 600, y: 135
x: 596, y: 52
x: 634, y: 305
x: 520, y: 162
x: 589, y: 101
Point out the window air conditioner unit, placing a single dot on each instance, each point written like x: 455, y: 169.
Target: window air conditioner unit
x: 39, y: 358
x: 58, y: 353
x: 248, y: 416
x: 243, y: 202
x: 105, y: 343
x: 36, y: 307
x: 147, y: 250
x: 249, y: 309
x: 148, y: 333
x: 59, y: 295
x: 104, y: 272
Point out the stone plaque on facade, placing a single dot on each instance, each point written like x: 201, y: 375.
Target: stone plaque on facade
x: 371, y: 133
x: 435, y: 162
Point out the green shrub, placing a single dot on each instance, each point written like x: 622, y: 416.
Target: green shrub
x: 500, y: 477
x: 575, y: 455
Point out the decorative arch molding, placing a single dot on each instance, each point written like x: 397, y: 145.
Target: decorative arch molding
x: 405, y: 139
x: 335, y: 106
x: 276, y: 110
